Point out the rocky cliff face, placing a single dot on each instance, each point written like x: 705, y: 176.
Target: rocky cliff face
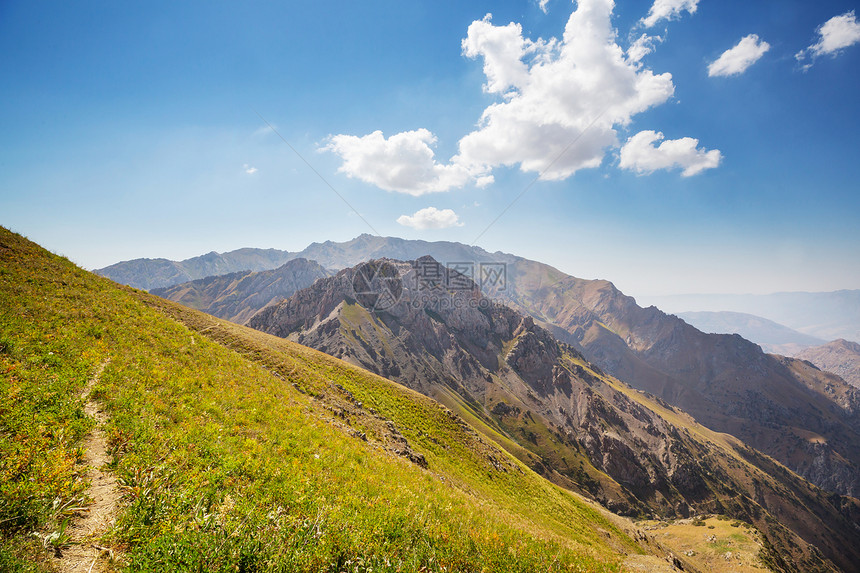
x: 778, y: 405
x: 433, y: 330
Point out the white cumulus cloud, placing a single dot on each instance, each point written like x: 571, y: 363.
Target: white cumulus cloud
x: 668, y: 10
x: 834, y: 35
x: 248, y: 169
x: 404, y: 162
x: 559, y: 105
x: 561, y: 98
x: 503, y: 49
x: 431, y: 218
x: 736, y: 60
x: 641, y: 155
x: 542, y: 5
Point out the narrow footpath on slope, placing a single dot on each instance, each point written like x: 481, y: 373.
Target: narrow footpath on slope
x: 85, y: 554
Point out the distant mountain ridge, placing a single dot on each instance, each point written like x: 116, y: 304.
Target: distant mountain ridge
x: 842, y: 357
x: 771, y: 336
x: 365, y: 247
x: 825, y: 315
x: 148, y: 274
x: 237, y: 296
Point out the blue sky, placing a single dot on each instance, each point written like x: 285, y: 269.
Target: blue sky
x: 133, y: 131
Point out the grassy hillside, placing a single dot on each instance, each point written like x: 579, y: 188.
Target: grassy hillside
x: 235, y: 451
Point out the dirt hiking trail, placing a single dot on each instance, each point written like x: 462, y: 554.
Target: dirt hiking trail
x: 85, y: 554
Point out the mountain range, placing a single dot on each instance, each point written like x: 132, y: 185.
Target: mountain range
x: 805, y: 418
x: 237, y: 450
x: 142, y: 435
x: 148, y: 274
x: 824, y: 315
x: 772, y: 337
x: 786, y: 408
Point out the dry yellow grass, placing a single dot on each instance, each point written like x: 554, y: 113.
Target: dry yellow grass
x: 711, y: 544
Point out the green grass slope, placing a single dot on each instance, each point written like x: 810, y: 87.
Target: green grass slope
x: 237, y: 451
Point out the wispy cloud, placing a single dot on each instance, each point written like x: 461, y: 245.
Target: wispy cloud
x: 642, y: 46
x: 640, y: 154
x: 265, y: 131
x: 834, y: 35
x: 249, y: 170
x: 668, y: 10
x: 736, y: 60
x: 431, y: 218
